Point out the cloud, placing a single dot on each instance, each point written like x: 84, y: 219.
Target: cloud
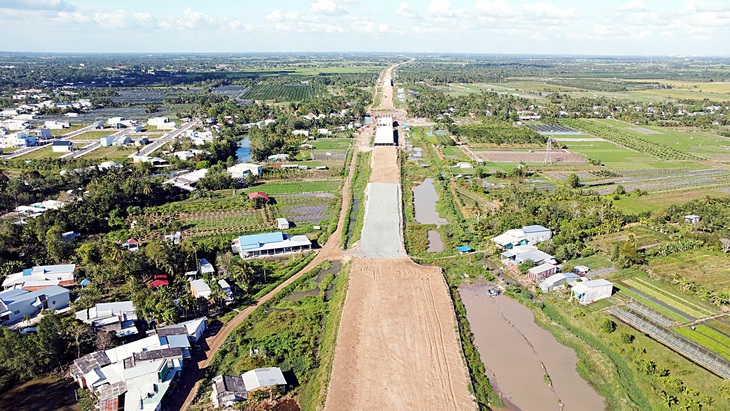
x: 634, y: 5
x: 404, y: 10
x: 327, y: 7
x: 439, y: 7
x: 40, y: 5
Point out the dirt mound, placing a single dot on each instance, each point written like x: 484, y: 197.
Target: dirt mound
x: 384, y: 165
x: 397, y: 347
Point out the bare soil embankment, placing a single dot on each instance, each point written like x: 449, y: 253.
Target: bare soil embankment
x: 397, y: 348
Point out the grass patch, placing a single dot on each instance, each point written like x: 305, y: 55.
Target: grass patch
x: 295, y: 187
x: 331, y: 143
x: 708, y: 268
x: 643, y: 236
x: 297, y: 335
x: 357, y: 190
x: 94, y: 135
x: 658, y: 201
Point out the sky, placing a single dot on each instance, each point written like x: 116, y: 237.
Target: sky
x: 588, y: 27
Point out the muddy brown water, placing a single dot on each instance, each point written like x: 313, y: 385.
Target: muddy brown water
x: 424, y: 200
x: 518, y: 353
x: 41, y: 394
x: 435, y: 245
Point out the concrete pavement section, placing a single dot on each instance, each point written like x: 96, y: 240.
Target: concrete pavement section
x: 381, y: 233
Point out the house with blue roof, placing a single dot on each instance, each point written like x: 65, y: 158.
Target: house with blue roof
x: 17, y: 303
x: 268, y: 244
x: 42, y: 276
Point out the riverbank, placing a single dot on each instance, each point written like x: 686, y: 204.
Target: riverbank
x: 531, y: 370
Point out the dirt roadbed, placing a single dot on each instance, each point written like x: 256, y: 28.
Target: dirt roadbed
x: 397, y: 347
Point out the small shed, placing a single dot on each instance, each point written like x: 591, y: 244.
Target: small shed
x: 590, y: 291
x: 258, y: 194
x: 159, y: 280
x: 282, y: 223
x: 131, y: 244
x: 199, y: 288
x: 206, y: 267
x: 692, y: 218
x: 556, y: 280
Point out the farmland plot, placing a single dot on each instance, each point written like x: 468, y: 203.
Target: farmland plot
x: 305, y: 207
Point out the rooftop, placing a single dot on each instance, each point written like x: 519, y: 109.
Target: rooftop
x: 263, y: 377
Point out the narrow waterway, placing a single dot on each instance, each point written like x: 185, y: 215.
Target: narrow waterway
x: 243, y: 154
x: 519, y: 355
x: 435, y: 245
x: 424, y: 201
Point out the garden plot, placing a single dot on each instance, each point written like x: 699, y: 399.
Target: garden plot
x: 556, y: 156
x: 679, y: 303
x: 305, y: 207
x: 228, y: 222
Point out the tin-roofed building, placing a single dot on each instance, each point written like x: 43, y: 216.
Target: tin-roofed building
x: 42, y: 276
x: 16, y: 304
x: 267, y: 244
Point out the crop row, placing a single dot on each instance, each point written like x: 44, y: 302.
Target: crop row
x: 674, y: 296
x: 628, y: 140
x: 654, y: 306
x: 669, y: 299
x: 281, y: 92
x: 705, y: 341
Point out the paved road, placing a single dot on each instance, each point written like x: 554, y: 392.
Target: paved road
x: 155, y: 145
x: 22, y: 151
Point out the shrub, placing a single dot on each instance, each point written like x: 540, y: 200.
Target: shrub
x: 608, y: 326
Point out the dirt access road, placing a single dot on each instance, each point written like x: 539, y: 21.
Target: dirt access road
x: 397, y: 346
x: 190, y: 382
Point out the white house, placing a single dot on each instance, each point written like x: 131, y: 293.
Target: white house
x: 282, y: 223
x: 57, y: 125
x: 226, y: 289
x: 117, y: 317
x: 62, y: 146
x: 42, y: 133
x: 40, y: 277
x: 241, y: 170
x: 113, y: 121
x: 528, y: 235
x: 137, y: 374
x: 162, y: 123
x: 590, y: 291
x: 16, y: 304
x: 194, y: 329
x: 324, y: 132
x: 692, y: 218
x: 304, y: 133
x: 463, y: 165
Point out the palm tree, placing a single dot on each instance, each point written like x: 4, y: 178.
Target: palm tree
x: 668, y: 399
